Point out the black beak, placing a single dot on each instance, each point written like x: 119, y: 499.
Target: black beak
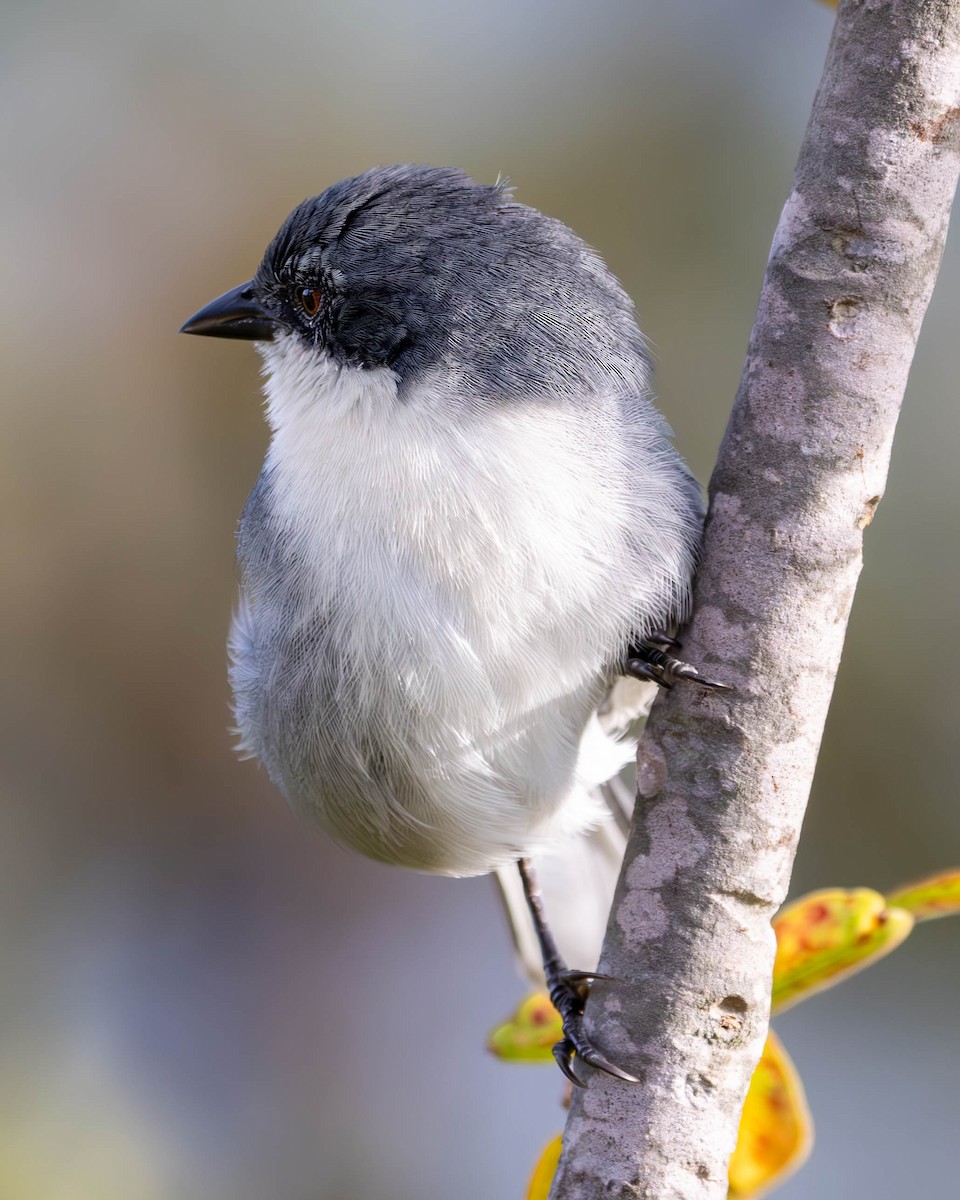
x: 235, y: 314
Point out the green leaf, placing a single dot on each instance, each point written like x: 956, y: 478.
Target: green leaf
x: 938, y: 896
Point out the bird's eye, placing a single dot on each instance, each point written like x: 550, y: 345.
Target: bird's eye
x: 310, y: 301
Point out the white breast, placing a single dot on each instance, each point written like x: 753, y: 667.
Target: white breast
x: 434, y: 604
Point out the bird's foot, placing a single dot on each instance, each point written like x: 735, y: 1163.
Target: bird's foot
x: 568, y: 994
x: 649, y: 660
x: 568, y: 991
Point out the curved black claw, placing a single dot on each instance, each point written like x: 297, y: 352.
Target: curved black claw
x: 646, y: 661
x: 643, y: 670
x: 568, y: 994
x: 585, y: 977
x: 663, y: 640
x: 682, y: 670
x: 563, y: 1052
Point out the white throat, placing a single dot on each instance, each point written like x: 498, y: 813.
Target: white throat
x: 303, y: 386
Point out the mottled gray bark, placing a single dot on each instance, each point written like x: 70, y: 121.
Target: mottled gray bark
x: 724, y: 778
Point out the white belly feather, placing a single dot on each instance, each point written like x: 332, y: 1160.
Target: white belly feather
x: 432, y: 598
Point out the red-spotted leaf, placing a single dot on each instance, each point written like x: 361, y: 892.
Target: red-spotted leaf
x: 826, y: 936
x: 530, y: 1034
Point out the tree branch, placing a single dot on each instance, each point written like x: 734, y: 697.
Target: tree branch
x: 724, y: 779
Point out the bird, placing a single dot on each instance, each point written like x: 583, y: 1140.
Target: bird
x: 472, y: 527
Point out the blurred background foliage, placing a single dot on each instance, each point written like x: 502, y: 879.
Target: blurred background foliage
x: 202, y: 997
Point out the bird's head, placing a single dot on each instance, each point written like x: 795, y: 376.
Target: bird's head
x: 420, y: 269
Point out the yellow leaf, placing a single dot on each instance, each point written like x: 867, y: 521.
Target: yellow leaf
x: 776, y: 1132
x: 938, y: 896
x: 530, y: 1034
x: 545, y: 1170
x: 826, y: 936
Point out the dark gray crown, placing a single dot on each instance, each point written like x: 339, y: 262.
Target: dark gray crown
x: 419, y: 267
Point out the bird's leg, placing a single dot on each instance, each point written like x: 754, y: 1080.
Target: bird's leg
x: 568, y: 991
x: 649, y: 659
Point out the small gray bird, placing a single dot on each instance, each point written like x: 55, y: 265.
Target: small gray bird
x: 470, y: 523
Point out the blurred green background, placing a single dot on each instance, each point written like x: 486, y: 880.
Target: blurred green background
x: 203, y: 998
